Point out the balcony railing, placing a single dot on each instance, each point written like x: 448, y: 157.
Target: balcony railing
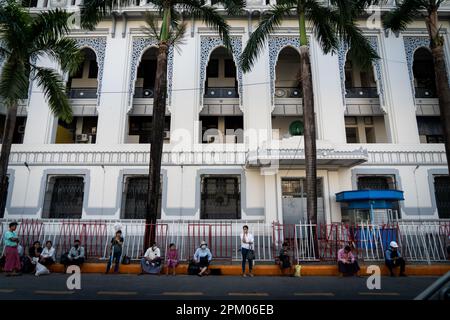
x: 144, y: 92
x: 422, y: 92
x: 361, y: 92
x: 284, y: 92
x: 82, y: 93
x: 223, y: 92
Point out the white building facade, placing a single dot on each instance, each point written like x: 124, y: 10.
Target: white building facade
x: 234, y: 148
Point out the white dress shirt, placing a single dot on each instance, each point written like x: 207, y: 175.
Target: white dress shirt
x: 46, y: 253
x: 248, y: 238
x: 150, y: 254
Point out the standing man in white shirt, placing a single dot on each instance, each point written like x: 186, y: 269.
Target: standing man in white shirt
x: 246, y: 245
x: 48, y: 254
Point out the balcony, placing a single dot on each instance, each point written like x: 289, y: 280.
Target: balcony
x: 145, y: 93
x: 423, y: 92
x: 361, y: 92
x: 281, y: 92
x: 221, y: 92
x: 82, y: 93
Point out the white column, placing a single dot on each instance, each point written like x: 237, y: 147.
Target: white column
x: 399, y: 99
x: 185, y: 98
x: 41, y: 123
x: 112, y: 111
x: 327, y: 95
x: 270, y: 197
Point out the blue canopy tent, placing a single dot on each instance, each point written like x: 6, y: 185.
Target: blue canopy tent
x: 370, y: 200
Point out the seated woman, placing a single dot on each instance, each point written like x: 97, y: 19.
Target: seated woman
x: 151, y: 262
x: 347, y: 263
x: 48, y: 254
x: 285, y: 260
x: 34, y: 254
x: 202, y: 258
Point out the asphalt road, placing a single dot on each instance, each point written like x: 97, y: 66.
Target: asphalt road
x: 182, y: 287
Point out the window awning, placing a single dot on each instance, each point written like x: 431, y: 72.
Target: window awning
x: 366, y: 199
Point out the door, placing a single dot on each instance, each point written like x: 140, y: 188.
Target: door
x: 67, y: 198
x: 442, y: 194
x: 220, y: 197
x: 294, y: 200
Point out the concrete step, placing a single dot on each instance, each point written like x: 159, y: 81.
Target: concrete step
x: 266, y: 270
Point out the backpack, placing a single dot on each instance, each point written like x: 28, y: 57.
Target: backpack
x: 193, y: 268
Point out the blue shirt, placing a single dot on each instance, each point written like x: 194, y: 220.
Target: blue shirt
x: 8, y: 236
x: 200, y: 253
x: 388, y: 255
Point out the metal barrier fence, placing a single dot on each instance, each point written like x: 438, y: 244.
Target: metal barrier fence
x: 419, y: 241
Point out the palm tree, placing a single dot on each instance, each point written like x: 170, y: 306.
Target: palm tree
x: 398, y: 20
x: 23, y: 40
x: 332, y: 25
x: 171, y: 32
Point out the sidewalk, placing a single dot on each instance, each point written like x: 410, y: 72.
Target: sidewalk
x: 267, y: 270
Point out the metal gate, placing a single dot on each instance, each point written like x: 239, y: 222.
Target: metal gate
x: 442, y: 194
x: 218, y: 236
x: 294, y: 200
x: 136, y: 193
x: 221, y: 197
x: 67, y: 198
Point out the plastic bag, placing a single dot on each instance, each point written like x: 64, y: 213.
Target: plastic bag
x: 298, y: 270
x: 41, y: 269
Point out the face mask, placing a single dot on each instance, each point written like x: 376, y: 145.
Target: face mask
x: 203, y: 247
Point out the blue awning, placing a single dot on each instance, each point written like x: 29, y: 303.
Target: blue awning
x: 366, y: 199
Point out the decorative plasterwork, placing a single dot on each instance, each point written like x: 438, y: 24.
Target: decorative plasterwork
x: 342, y: 55
x: 276, y: 44
x: 207, y: 45
x: 98, y: 45
x: 140, y: 45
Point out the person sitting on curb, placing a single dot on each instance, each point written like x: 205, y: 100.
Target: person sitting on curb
x: 347, y: 263
x: 202, y: 258
x: 151, y: 262
x: 284, y: 260
x: 393, y: 259
x: 48, y: 254
x: 75, y: 256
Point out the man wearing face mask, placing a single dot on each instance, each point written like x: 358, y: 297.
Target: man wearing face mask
x: 151, y: 262
x: 202, y: 258
x: 76, y: 254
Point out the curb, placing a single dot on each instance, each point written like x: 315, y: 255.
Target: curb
x: 265, y: 270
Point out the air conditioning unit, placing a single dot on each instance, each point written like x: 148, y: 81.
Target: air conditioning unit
x: 167, y: 134
x: 82, y: 137
x: 21, y: 129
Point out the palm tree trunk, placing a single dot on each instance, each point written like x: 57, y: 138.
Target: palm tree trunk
x: 157, y: 138
x: 309, y: 135
x: 8, y: 134
x: 441, y: 78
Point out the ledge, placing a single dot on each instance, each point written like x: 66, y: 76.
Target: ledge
x: 267, y: 270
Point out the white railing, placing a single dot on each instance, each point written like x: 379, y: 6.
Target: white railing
x: 420, y: 241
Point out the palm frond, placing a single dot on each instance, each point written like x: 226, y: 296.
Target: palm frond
x: 361, y: 52
x: 14, y: 26
x: 233, y: 7
x: 54, y: 90
x: 63, y: 50
x: 177, y: 36
x: 13, y: 80
x: 49, y: 25
x: 399, y: 18
x: 323, y: 21
x: 209, y: 15
x: 151, y: 28
x: 269, y: 21
x: 92, y: 11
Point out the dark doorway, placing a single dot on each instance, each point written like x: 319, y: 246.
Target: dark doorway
x: 221, y: 197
